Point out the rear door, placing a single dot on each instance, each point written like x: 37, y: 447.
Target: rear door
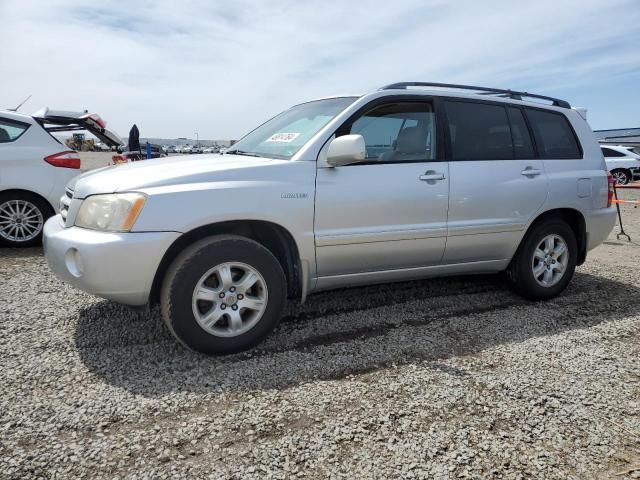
x: 497, y: 184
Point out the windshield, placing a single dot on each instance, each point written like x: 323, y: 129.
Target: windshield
x: 286, y: 133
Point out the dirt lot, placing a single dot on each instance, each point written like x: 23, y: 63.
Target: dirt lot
x: 455, y: 378
x: 93, y: 160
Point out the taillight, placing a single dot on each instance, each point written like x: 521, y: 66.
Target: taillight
x: 68, y: 159
x: 610, y: 193
x: 98, y: 120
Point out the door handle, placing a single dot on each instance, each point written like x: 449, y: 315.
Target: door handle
x: 531, y: 172
x: 431, y: 175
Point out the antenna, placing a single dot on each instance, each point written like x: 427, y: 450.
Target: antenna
x: 23, y: 102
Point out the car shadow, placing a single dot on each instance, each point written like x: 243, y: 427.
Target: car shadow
x: 344, y: 332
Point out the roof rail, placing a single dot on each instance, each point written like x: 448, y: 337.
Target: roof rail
x: 484, y: 91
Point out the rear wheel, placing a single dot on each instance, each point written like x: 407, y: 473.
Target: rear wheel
x: 621, y: 176
x: 223, y: 295
x: 546, y: 260
x: 22, y: 217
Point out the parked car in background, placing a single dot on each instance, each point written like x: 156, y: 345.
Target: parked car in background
x: 35, y: 166
x: 102, y: 147
x: 412, y: 180
x: 196, y: 149
x: 186, y: 149
x: 622, y: 162
x: 209, y: 150
x: 156, y: 152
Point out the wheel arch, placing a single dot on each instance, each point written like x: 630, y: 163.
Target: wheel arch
x: 574, y: 218
x: 29, y: 192
x: 277, y: 239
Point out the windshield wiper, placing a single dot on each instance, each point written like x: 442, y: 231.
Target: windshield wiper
x: 242, y: 152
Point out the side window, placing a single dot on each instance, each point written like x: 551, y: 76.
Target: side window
x: 398, y: 132
x: 608, y: 152
x: 478, y: 131
x: 553, y: 134
x: 522, y: 146
x: 10, y: 130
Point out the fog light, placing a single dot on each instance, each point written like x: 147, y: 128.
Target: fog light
x: 73, y: 261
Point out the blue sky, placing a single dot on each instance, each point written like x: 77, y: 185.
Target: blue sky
x: 220, y: 68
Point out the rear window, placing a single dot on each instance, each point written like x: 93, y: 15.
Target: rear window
x: 608, y: 152
x: 553, y: 135
x: 10, y: 130
x: 479, y: 131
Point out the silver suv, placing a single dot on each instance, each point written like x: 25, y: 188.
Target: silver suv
x: 413, y: 180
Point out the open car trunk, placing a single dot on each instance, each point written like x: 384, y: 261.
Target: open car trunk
x: 63, y: 121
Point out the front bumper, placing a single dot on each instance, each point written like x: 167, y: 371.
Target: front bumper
x: 116, y: 266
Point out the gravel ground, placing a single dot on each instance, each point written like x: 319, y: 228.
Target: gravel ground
x: 449, y: 378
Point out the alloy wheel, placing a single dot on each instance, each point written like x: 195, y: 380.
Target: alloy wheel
x: 550, y: 260
x: 620, y: 177
x: 20, y: 221
x: 229, y: 299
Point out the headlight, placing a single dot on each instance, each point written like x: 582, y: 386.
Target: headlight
x: 116, y: 212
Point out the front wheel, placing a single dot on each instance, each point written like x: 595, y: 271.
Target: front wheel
x: 223, y: 295
x: 545, y: 262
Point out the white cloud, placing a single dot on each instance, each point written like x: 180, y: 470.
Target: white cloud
x: 175, y: 68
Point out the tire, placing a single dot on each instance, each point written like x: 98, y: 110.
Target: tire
x: 207, y: 322
x: 523, y: 265
x: 22, y: 218
x: 622, y: 176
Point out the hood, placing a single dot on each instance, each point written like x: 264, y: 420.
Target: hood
x: 178, y: 170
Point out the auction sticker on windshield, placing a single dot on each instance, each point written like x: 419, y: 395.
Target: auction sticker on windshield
x: 283, y: 137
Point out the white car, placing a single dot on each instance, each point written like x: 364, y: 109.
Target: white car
x: 35, y: 167
x: 622, y: 162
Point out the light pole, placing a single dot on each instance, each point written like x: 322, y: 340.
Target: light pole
x: 197, y: 140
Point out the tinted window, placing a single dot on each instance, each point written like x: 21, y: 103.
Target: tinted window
x: 399, y: 132
x: 479, y: 131
x: 522, y: 146
x: 608, y: 152
x: 553, y: 134
x: 10, y: 130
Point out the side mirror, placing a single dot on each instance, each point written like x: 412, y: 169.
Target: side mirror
x: 346, y: 150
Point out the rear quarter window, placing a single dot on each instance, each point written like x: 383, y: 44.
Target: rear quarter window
x: 11, y: 130
x: 554, y: 137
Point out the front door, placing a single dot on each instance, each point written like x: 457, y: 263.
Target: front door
x: 390, y: 210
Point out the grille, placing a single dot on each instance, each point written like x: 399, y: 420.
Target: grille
x: 65, y: 201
